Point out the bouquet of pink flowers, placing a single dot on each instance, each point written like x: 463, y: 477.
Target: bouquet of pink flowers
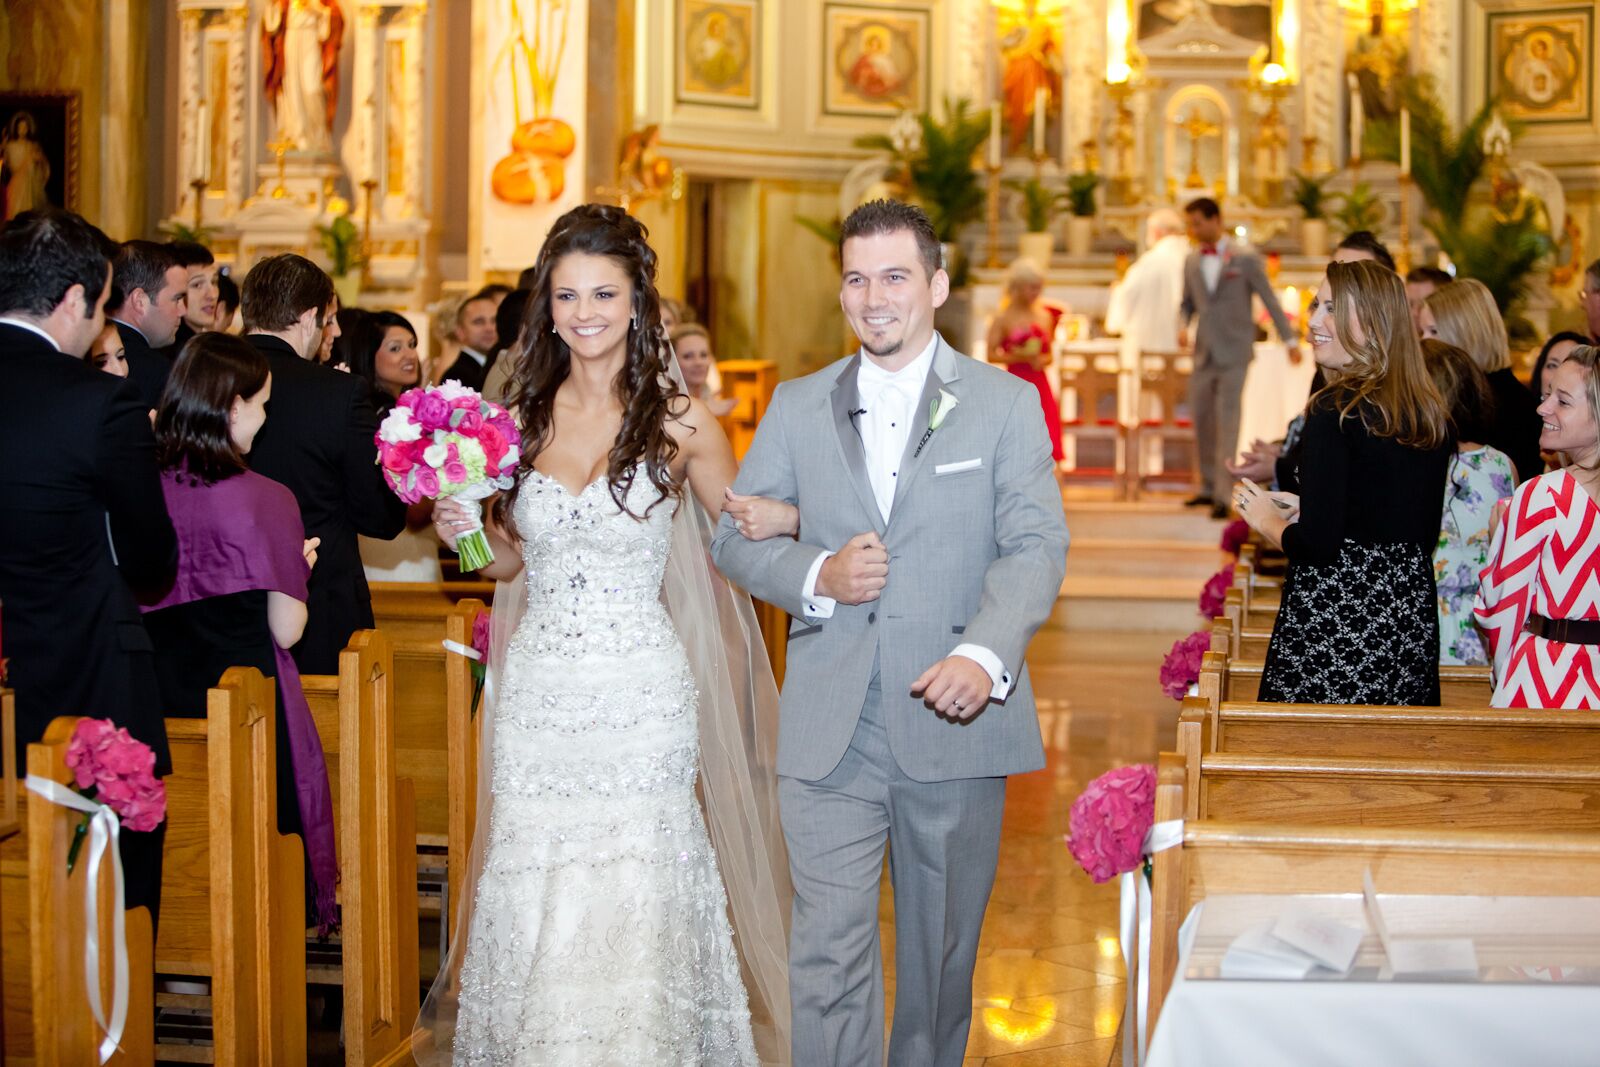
x: 1181, y: 668
x: 1214, y: 594
x: 1026, y: 343
x: 447, y: 441
x: 1109, y: 820
x: 111, y: 767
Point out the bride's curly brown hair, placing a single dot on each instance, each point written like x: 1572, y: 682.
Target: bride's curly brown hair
x: 649, y: 397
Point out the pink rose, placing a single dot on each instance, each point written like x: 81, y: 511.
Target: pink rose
x: 1214, y: 594
x: 455, y: 472
x: 480, y: 636
x: 493, y: 442
x: 433, y: 411
x: 397, y: 459
x: 1109, y: 821
x: 1181, y: 668
x: 470, y: 422
x: 409, y: 398
x: 1234, y: 535
x: 427, y: 482
x: 466, y: 402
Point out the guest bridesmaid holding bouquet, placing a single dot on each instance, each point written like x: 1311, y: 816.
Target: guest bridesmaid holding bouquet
x: 1019, y: 340
x: 1358, y: 623
x: 1538, y: 602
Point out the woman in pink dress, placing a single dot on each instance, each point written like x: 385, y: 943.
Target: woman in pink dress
x: 1538, y: 599
x: 1020, y: 336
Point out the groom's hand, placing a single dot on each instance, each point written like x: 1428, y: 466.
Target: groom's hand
x: 857, y: 572
x: 956, y: 687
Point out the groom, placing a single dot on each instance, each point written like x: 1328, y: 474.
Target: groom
x: 932, y: 545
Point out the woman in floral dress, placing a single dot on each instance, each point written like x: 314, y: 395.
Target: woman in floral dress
x: 1480, y: 477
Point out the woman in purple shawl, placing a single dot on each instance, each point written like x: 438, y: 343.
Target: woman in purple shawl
x: 239, y: 599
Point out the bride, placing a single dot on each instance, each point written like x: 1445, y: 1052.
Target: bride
x: 596, y: 927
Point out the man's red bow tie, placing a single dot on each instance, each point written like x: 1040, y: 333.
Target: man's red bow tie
x: 1208, y: 250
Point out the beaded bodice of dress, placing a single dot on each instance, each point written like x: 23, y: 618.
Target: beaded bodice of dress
x: 593, y: 571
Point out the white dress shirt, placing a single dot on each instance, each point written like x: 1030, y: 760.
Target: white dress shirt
x: 31, y: 328
x: 889, y: 402
x: 1211, y: 266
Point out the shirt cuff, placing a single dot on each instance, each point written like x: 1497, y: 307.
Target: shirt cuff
x: 817, y: 606
x: 990, y: 663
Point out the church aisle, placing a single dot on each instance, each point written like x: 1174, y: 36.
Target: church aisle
x: 1048, y: 988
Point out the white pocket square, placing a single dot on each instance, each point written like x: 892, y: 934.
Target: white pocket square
x: 957, y: 468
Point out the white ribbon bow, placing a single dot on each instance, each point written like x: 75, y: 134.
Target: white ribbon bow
x: 1136, y: 899
x: 461, y: 650
x: 104, y: 828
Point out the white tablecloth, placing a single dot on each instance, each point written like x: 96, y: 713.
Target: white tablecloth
x: 1498, y: 1022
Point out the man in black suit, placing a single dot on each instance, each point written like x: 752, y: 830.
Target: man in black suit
x: 200, y: 301
x: 148, y: 298
x: 84, y: 523
x: 318, y: 441
x: 476, y: 330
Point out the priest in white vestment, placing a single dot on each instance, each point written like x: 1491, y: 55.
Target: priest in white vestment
x: 1144, y: 306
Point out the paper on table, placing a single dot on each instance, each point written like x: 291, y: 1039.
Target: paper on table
x: 1443, y: 957
x: 1257, y: 954
x: 1328, y: 941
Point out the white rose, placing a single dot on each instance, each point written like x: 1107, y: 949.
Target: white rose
x: 434, y: 455
x: 398, y: 426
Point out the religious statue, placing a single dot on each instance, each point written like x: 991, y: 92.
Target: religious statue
x: 1031, y: 58
x: 1379, y: 62
x: 300, y: 40
x: 24, y: 168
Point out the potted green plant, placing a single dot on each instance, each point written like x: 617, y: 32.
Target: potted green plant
x: 1080, y: 227
x: 1311, y: 195
x: 1039, y: 206
x: 944, y: 179
x: 341, y: 241
x: 1360, y: 209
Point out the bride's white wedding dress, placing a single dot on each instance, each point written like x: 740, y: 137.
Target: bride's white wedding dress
x: 600, y: 932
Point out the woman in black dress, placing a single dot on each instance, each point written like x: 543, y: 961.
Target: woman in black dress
x: 1358, y: 622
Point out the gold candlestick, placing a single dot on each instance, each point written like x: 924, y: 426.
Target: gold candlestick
x: 199, y: 187
x: 279, y: 148
x: 992, y: 215
x: 369, y: 186
x: 1402, y: 254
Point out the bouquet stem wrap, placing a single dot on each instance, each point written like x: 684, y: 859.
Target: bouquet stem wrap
x: 473, y: 545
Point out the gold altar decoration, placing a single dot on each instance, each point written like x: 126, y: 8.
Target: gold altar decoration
x: 535, y: 171
x: 1197, y: 127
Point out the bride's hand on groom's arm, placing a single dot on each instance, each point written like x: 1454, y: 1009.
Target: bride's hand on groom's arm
x: 761, y: 517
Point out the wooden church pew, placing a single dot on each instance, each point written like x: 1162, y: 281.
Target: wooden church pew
x: 1219, y: 857
x: 374, y: 825
x: 58, y: 915
x: 232, y: 887
x: 1223, y: 678
x: 461, y: 726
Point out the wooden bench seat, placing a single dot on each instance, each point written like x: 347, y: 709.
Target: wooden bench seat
x: 1223, y: 678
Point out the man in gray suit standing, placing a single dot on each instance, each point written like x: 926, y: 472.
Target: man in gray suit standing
x: 932, y: 545
x: 1218, y: 281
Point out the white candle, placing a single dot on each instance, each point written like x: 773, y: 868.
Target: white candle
x: 201, y: 165
x: 1405, y: 140
x: 375, y: 138
x: 994, y: 133
x: 1041, y: 98
x: 1356, y: 116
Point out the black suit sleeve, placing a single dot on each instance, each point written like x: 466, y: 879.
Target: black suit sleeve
x: 129, y: 482
x: 1324, y: 489
x: 373, y: 506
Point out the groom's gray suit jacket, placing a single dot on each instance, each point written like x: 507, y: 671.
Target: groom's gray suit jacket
x: 977, y: 545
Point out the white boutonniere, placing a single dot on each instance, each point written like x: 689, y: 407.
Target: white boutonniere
x: 937, y: 410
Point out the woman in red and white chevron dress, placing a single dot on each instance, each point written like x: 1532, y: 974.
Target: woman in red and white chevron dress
x: 1539, y: 598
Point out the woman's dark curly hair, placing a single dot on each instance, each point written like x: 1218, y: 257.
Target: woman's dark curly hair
x: 649, y: 398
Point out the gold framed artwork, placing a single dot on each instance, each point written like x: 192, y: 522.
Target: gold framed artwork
x: 38, y: 151
x: 876, y: 58
x: 718, y: 46
x: 1541, y: 63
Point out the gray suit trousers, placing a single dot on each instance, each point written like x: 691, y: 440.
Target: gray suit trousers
x: 944, y: 843
x: 1214, y: 397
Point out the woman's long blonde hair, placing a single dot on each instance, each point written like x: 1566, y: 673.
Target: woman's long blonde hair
x: 1385, y: 384
x: 1466, y: 316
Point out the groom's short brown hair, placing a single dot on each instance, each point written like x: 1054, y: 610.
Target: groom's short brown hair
x: 891, y: 216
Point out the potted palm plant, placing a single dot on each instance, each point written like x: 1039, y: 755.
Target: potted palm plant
x: 1360, y: 209
x: 1311, y: 195
x: 944, y: 179
x: 1080, y: 227
x: 1039, y: 205
x: 342, y: 243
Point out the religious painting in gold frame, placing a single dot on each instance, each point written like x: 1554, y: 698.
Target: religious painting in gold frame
x: 1541, y: 63
x: 876, y: 58
x: 718, y: 47
x: 38, y: 151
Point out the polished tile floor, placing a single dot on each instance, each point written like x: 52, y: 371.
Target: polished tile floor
x: 1049, y: 983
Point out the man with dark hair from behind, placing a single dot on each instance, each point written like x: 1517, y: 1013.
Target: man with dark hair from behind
x: 149, y: 290
x: 318, y: 441
x: 200, y: 305
x: 85, y: 525
x: 1589, y: 298
x: 1363, y: 244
